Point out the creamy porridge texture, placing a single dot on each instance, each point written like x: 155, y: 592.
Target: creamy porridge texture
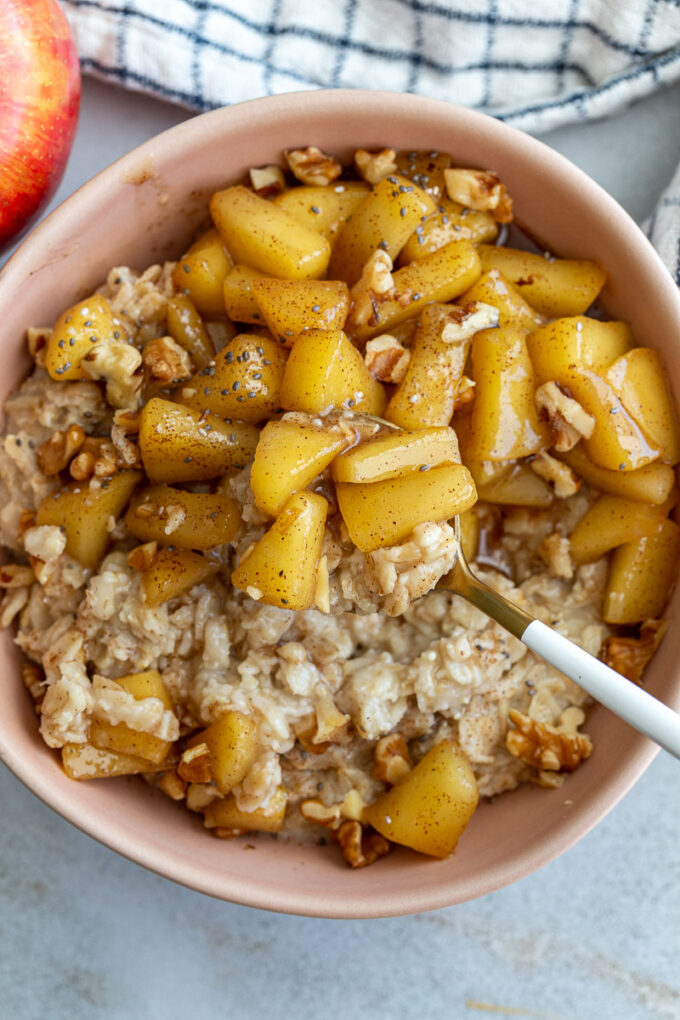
x: 227, y: 493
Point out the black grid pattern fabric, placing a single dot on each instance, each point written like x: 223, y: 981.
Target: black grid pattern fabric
x: 535, y: 65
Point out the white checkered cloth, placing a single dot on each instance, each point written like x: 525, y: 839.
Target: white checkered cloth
x: 565, y: 61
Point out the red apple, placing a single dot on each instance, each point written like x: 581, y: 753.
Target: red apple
x: 39, y: 101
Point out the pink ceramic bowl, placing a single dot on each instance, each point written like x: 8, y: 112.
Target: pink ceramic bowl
x: 145, y: 208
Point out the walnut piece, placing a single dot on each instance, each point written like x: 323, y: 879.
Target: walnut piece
x: 479, y: 189
x: 36, y: 338
x: 34, y: 679
x: 142, y: 557
x: 320, y: 814
x: 116, y: 363
x: 374, y: 166
x: 629, y: 655
x: 165, y: 361
x: 194, y: 765
x: 127, y: 421
x: 462, y: 323
x: 386, y: 359
x: 373, y: 286
x: 563, y: 480
x: 359, y: 849
x: 267, y: 180
x: 392, y: 759
x: 56, y: 452
x: 555, y: 550
x: 545, y: 747
x: 312, y: 166
x: 568, y: 421
x: 465, y: 392
x: 97, y: 457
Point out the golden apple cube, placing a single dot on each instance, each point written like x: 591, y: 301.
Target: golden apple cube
x: 504, y: 423
x: 431, y: 807
x: 182, y: 444
x: 650, y: 484
x: 450, y: 222
x: 172, y: 572
x: 574, y: 343
x: 280, y: 569
x: 641, y: 576
x: 239, y: 300
x: 386, y: 218
x: 120, y: 737
x: 441, y: 276
x: 233, y: 746
x: 265, y: 237
x: 84, y: 761
x: 225, y: 814
x: 612, y: 521
x: 397, y: 453
x: 323, y: 208
x: 384, y: 513
x: 554, y: 287
x: 640, y: 379
x: 325, y: 370
x: 291, y: 307
x: 426, y: 396
x: 78, y: 331
x: 289, y: 456
x: 617, y: 442
x: 243, y: 382
x: 200, y: 274
x: 83, y: 510
x: 494, y: 289
x: 186, y: 326
x: 520, y: 486
x: 206, y: 519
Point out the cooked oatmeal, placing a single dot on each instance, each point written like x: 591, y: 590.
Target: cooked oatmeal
x: 154, y: 622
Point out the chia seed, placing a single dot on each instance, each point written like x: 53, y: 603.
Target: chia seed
x: 188, y: 460
x: 236, y: 385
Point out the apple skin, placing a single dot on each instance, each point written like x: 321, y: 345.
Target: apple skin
x: 39, y: 103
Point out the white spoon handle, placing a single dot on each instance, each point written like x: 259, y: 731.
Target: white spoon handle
x: 632, y: 703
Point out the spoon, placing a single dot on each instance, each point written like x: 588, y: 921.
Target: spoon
x: 633, y: 704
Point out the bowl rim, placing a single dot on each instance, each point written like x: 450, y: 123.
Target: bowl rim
x: 176, y: 141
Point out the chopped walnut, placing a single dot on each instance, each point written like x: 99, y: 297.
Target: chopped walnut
x: 127, y: 421
x: 312, y: 166
x: 318, y: 813
x: 375, y: 284
x: 392, y: 759
x: 546, y: 747
x: 128, y: 453
x: 462, y: 323
x: 267, y: 180
x: 116, y: 363
x: 172, y: 784
x: 199, y: 795
x: 374, y: 166
x: 14, y: 575
x: 360, y: 849
x: 386, y: 359
x: 194, y: 765
x: 166, y: 361
x: 143, y: 556
x: 479, y: 189
x: 629, y: 655
x: 97, y: 457
x: 563, y: 480
x: 465, y: 393
x: 568, y: 421
x: 57, y: 451
x: 555, y: 550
